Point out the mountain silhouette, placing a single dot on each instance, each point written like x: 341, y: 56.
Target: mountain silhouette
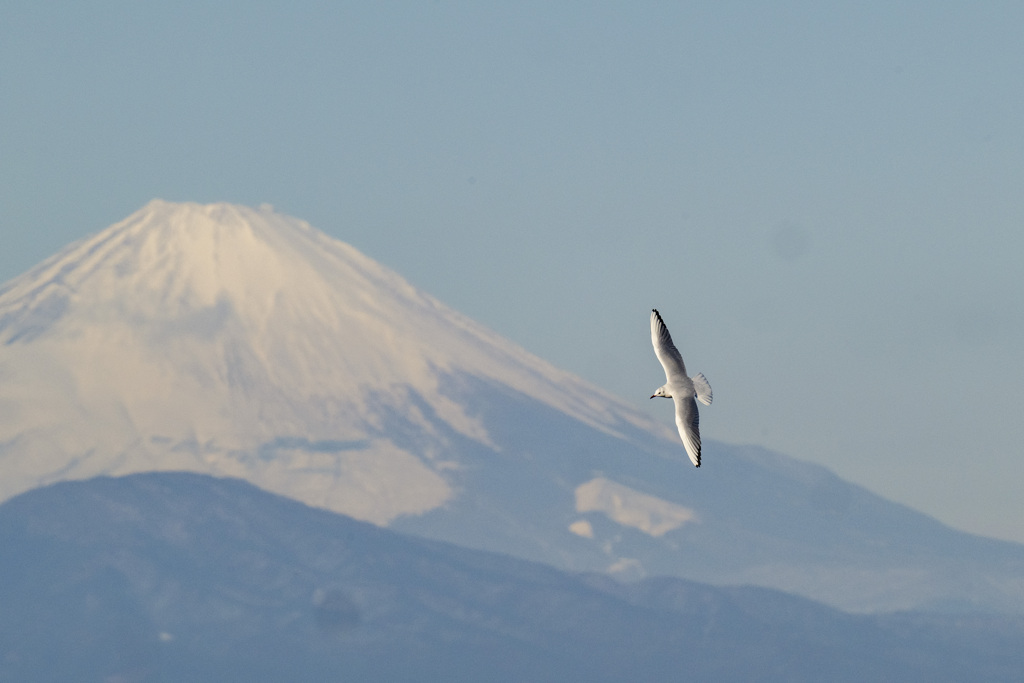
x: 181, y: 576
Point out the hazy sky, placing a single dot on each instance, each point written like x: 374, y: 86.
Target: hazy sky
x: 825, y: 202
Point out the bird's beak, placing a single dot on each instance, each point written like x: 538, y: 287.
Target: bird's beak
x: 652, y: 396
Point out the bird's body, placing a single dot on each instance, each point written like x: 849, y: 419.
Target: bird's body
x: 685, y: 391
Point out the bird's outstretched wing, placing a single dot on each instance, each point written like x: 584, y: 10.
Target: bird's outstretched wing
x: 664, y: 349
x: 688, y: 423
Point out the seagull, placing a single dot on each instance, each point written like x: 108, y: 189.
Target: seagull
x: 679, y: 387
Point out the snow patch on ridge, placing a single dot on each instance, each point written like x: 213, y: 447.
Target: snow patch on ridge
x: 629, y: 507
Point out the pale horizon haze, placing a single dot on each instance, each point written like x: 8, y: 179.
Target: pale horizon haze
x: 824, y: 201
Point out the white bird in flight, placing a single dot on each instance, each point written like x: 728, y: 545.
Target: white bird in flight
x: 679, y: 387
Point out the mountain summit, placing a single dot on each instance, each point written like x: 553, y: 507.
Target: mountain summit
x: 240, y: 342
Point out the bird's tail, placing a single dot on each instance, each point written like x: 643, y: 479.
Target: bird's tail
x: 703, y: 389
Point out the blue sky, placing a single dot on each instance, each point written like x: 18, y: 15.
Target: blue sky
x: 824, y: 200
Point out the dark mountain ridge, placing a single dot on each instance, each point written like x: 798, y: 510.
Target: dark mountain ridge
x: 180, y: 576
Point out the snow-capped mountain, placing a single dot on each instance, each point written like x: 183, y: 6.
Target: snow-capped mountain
x: 234, y: 341
x: 228, y: 340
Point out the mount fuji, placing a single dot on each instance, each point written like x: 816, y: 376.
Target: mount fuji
x: 240, y: 342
